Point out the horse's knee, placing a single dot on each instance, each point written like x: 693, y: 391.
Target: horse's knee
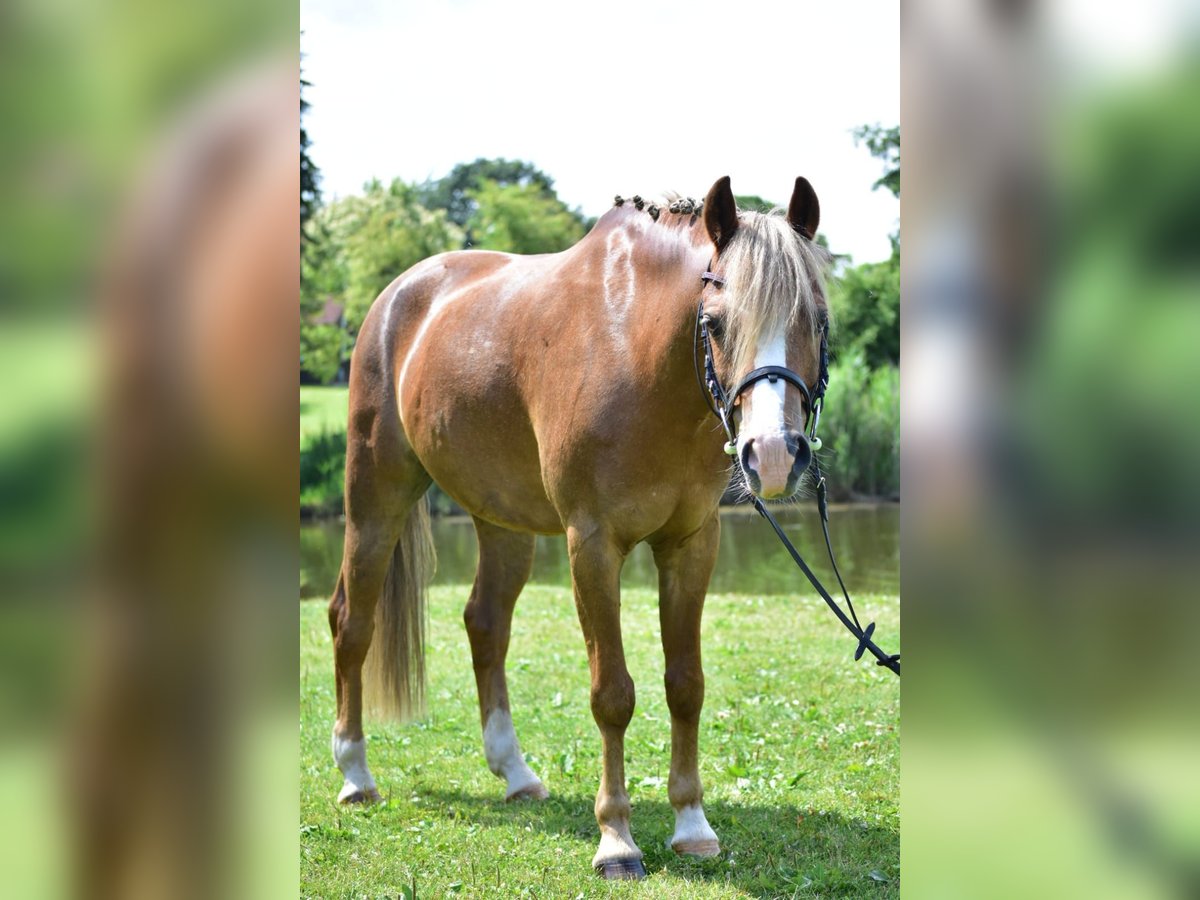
x: 685, y: 690
x: 353, y: 638
x: 613, y: 701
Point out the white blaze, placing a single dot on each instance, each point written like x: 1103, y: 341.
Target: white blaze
x: 766, y: 399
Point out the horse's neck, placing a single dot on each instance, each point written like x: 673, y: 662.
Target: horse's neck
x: 646, y: 285
x: 660, y: 332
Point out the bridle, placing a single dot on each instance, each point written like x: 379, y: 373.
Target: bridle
x: 721, y: 402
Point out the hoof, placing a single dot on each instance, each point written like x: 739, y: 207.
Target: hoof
x: 703, y: 849
x: 622, y: 870
x: 370, y: 795
x: 535, y: 791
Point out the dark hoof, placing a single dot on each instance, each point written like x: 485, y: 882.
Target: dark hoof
x: 535, y: 791
x: 702, y: 849
x: 366, y: 797
x: 622, y: 870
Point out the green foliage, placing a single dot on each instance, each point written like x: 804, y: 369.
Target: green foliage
x: 521, y: 219
x: 368, y: 240
x: 323, y: 472
x: 324, y: 349
x: 1130, y: 176
x: 310, y: 175
x: 884, y: 144
x: 1118, y: 341
x: 865, y: 303
x: 754, y: 203
x: 384, y: 232
x: 861, y: 428
x: 453, y: 193
x: 323, y: 412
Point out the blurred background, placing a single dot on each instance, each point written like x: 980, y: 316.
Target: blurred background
x: 149, y: 257
x: 1049, y: 323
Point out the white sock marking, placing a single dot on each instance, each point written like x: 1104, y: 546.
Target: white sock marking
x: 351, y: 758
x: 503, y: 753
x: 692, y: 829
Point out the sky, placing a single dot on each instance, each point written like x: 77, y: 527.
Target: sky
x: 626, y: 97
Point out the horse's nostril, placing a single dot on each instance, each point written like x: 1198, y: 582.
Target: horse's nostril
x: 798, y: 447
x: 749, y: 457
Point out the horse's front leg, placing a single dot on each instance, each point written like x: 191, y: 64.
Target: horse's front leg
x: 596, y: 572
x: 684, y: 568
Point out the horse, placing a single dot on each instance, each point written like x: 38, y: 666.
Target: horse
x: 558, y: 393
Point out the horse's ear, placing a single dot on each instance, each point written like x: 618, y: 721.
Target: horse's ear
x: 804, y: 212
x: 720, y: 213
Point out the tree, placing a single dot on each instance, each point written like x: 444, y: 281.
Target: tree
x: 324, y: 347
x: 382, y: 233
x: 310, y: 175
x: 356, y: 245
x: 521, y: 219
x: 884, y: 144
x: 866, y: 299
x: 453, y: 192
x: 866, y: 312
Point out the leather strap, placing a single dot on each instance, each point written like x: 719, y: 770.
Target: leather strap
x: 772, y: 374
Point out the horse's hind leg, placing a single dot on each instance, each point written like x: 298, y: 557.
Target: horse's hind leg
x: 505, y: 561
x: 683, y: 572
x: 383, y: 529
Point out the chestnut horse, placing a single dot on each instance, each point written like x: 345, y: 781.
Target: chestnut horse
x: 558, y: 393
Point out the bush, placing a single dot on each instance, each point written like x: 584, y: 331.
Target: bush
x: 861, y: 429
x: 323, y: 472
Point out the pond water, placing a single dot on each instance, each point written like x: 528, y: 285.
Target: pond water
x: 866, y: 539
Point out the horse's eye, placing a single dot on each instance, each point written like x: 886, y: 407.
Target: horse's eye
x: 716, y: 326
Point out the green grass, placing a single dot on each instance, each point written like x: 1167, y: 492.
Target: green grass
x: 322, y: 410
x: 799, y: 748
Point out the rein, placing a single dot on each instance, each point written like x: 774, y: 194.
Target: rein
x: 721, y: 403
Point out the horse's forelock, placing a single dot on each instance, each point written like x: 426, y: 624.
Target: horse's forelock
x: 773, y: 279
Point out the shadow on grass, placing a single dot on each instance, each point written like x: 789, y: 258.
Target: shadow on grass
x: 765, y: 847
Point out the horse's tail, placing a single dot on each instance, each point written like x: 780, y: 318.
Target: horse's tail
x: 394, y: 670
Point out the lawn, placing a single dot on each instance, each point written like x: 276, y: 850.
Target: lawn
x: 799, y: 745
x: 323, y: 409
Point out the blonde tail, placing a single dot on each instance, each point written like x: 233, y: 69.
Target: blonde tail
x: 394, y: 670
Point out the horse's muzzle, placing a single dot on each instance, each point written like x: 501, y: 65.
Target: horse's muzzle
x: 773, y: 463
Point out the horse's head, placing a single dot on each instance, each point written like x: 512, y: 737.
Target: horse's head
x: 766, y: 321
